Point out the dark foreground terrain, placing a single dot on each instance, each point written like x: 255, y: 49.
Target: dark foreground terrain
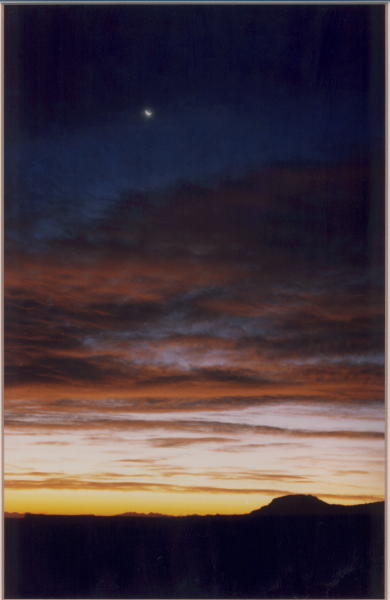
x: 297, y: 546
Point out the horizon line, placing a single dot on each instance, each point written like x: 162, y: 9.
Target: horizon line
x: 153, y: 514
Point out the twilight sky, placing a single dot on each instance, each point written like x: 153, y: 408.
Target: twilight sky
x: 194, y: 302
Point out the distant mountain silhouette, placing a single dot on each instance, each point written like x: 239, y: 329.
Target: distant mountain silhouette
x: 303, y: 504
x: 137, y: 514
x: 296, y: 547
x: 297, y: 504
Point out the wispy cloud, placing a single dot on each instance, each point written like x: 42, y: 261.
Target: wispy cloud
x: 70, y: 483
x: 190, y: 426
x: 224, y: 306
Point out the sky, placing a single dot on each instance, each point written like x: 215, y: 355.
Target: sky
x: 194, y: 296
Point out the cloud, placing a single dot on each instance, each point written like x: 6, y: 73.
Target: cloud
x: 351, y: 472
x: 253, y: 475
x: 185, y: 426
x: 243, y: 447
x: 81, y: 483
x: 260, y: 291
x: 51, y: 443
x: 187, y: 441
x: 135, y: 344
x: 142, y: 461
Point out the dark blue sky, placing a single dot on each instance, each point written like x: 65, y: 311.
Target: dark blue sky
x: 234, y: 88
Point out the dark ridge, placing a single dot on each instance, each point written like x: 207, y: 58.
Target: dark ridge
x: 306, y: 505
x: 135, y: 514
x: 296, y: 547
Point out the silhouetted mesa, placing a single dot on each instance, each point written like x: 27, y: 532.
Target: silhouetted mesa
x: 297, y: 546
x: 303, y: 504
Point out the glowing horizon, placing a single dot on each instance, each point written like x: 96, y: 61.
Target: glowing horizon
x: 193, y: 463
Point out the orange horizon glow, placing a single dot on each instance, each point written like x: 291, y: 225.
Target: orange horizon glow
x: 60, y: 505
